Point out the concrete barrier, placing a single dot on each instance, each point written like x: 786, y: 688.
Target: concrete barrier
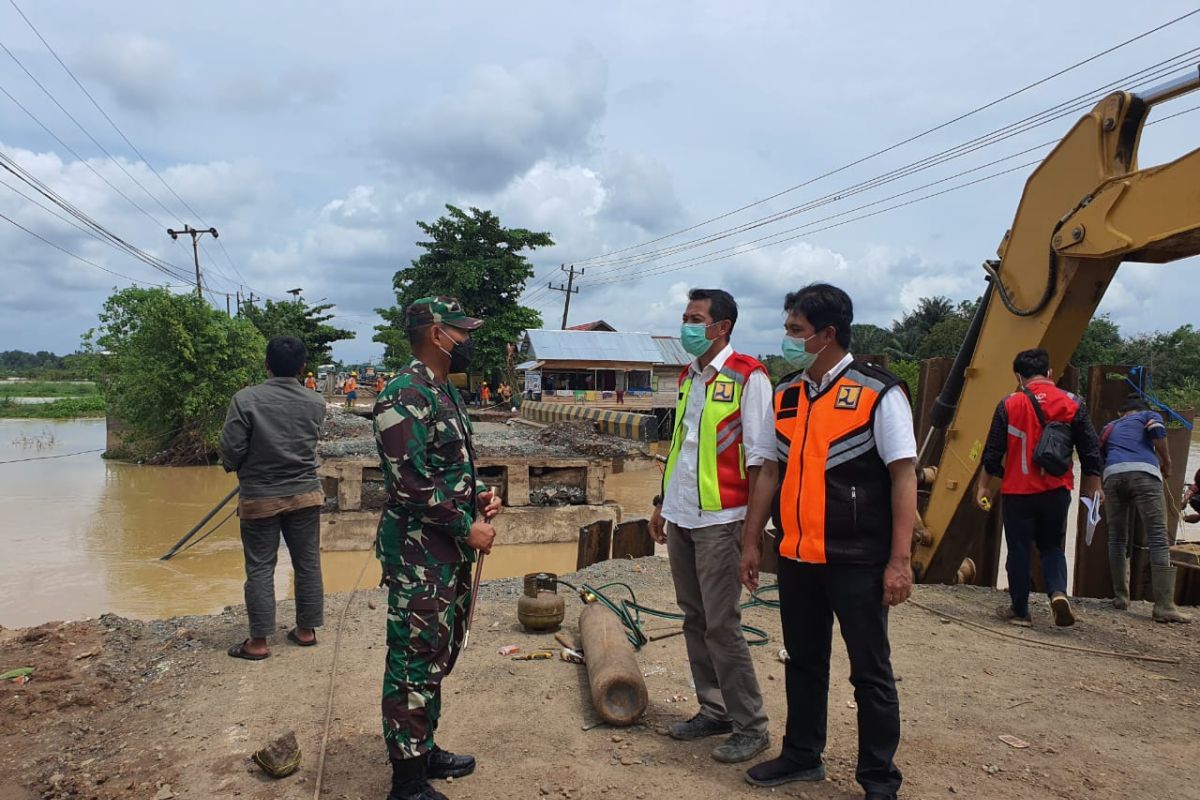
x: 355, y: 530
x: 640, y: 427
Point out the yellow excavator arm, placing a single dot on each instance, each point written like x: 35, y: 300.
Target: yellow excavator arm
x: 1085, y: 209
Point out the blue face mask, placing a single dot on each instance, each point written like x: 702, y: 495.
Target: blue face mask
x: 694, y: 338
x: 796, y: 354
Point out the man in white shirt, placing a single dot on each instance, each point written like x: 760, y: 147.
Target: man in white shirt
x: 724, y: 431
x: 846, y: 493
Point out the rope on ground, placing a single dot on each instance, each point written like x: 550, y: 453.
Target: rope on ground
x: 337, y: 646
x: 1047, y: 645
x: 630, y: 612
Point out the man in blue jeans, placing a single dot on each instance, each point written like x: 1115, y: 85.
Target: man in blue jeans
x: 1136, y: 462
x: 1036, y: 503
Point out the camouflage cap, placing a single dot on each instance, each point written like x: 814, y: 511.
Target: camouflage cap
x: 443, y: 310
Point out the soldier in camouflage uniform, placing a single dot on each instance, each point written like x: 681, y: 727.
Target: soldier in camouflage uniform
x: 435, y: 520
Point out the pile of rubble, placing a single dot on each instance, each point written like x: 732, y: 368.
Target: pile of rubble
x: 582, y: 438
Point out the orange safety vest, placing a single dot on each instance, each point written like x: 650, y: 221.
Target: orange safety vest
x: 834, y: 501
x: 351, y: 385
x: 310, y: 382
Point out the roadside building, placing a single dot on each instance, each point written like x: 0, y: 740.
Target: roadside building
x: 592, y: 366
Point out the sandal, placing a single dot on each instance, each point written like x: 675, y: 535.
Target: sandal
x: 239, y: 651
x: 292, y: 637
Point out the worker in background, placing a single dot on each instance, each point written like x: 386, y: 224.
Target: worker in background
x: 847, y: 503
x: 270, y: 441
x: 434, y: 522
x: 485, y: 395
x: 350, y: 388
x: 1191, y: 500
x: 1035, y: 503
x: 310, y: 382
x: 1136, y: 466
x: 722, y: 437
x: 380, y: 382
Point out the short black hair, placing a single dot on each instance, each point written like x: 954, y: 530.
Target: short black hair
x: 416, y: 333
x: 1031, y: 363
x: 1134, y: 402
x: 823, y: 306
x: 721, y: 305
x: 286, y: 356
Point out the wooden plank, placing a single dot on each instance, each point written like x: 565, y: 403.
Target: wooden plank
x: 632, y: 539
x: 595, y: 543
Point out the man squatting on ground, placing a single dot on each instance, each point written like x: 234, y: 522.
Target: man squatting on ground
x: 434, y: 521
x: 270, y: 440
x: 845, y: 488
x: 723, y: 434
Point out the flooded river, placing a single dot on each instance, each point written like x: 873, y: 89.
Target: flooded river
x: 81, y: 536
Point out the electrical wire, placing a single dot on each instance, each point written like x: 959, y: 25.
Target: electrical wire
x: 903, y: 142
x: 1175, y: 64
x: 128, y: 142
x: 75, y: 256
x: 808, y: 229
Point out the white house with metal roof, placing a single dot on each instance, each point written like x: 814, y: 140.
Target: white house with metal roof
x: 596, y: 366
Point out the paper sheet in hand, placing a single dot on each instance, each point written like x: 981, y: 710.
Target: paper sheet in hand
x: 1092, y: 504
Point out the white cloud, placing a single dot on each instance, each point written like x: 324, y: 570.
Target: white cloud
x: 137, y: 70
x: 503, y: 121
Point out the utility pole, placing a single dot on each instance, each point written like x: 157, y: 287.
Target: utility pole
x: 195, y: 234
x: 567, y: 290
x: 295, y: 293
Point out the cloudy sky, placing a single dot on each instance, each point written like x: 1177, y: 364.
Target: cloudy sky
x: 313, y: 135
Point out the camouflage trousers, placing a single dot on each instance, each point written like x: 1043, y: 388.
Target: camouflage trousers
x: 426, y: 620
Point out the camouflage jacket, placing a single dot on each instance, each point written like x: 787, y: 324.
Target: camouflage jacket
x: 423, y: 436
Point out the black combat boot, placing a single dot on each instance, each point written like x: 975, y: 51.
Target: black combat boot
x: 443, y: 764
x: 409, y: 781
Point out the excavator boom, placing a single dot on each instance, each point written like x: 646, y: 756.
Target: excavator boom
x: 1085, y: 209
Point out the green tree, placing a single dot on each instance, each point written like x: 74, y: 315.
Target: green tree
x: 296, y: 318
x: 472, y: 257
x: 928, y: 313
x: 868, y: 338
x: 777, y: 366
x: 944, y: 339
x: 1101, y: 344
x: 167, y: 365
x: 910, y: 373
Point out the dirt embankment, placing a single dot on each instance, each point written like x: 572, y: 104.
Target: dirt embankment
x: 124, y: 709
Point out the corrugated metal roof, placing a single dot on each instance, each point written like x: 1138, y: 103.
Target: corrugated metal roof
x: 672, y: 351
x: 546, y: 345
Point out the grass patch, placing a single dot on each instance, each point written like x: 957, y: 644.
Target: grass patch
x: 67, y: 408
x: 46, y: 389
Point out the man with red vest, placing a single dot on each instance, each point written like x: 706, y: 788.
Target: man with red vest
x: 845, y: 496
x: 1035, y: 502
x: 723, y: 435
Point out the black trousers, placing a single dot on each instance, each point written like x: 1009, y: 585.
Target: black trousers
x: 809, y: 597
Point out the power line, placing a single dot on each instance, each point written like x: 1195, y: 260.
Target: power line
x: 43, y: 458
x: 811, y: 230
x: 1064, y: 109
x: 121, y: 133
x: 903, y: 142
x: 72, y: 255
x: 10, y: 165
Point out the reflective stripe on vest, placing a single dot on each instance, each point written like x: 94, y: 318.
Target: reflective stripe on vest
x: 721, y: 468
x: 835, y: 492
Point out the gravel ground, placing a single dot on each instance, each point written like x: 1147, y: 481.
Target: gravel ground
x: 346, y: 435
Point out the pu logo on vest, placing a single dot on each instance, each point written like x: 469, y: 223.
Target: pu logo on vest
x: 723, y: 392
x: 847, y: 397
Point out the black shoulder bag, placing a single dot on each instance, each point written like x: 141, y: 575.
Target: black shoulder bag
x: 1053, y: 449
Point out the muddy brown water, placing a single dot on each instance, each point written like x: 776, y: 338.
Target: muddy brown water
x: 80, y: 536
